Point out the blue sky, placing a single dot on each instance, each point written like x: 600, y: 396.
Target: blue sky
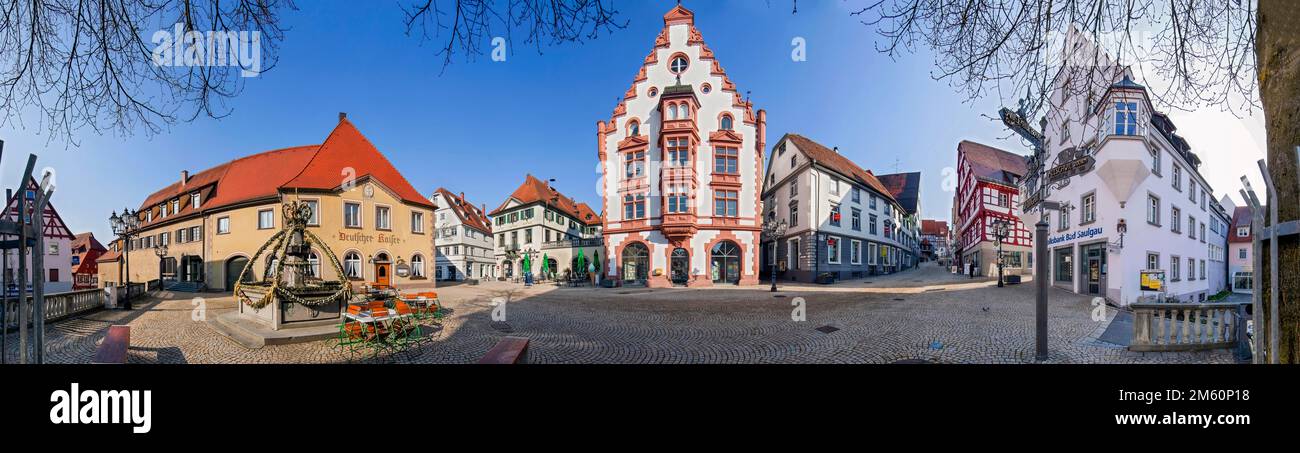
x: 480, y: 126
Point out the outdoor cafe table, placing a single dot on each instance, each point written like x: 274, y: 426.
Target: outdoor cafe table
x: 365, y: 317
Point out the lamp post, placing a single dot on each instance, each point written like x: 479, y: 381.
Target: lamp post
x: 773, y: 232
x: 161, y: 251
x: 999, y: 236
x: 126, y: 226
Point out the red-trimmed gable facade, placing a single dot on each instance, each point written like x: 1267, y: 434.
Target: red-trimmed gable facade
x: 986, y: 194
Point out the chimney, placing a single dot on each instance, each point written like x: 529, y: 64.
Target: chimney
x: 185, y: 177
x: 343, y: 116
x: 462, y: 196
x: 836, y: 149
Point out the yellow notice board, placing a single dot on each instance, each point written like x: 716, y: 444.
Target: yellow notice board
x: 1153, y: 280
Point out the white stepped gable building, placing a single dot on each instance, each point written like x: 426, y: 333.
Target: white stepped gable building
x: 462, y: 238
x: 1145, y: 180
x: 681, y: 161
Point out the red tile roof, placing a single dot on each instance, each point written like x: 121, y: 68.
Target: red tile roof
x: 837, y: 162
x: 533, y: 190
x: 934, y: 228
x: 346, y: 147
x: 267, y: 174
x: 1241, y: 218
x: 993, y: 164
x: 469, y: 215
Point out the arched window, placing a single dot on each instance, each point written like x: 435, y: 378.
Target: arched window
x: 313, y: 265
x: 725, y: 263
x: 684, y: 111
x: 417, y: 266
x: 725, y: 123
x: 633, y: 128
x: 672, y: 111
x: 352, y: 265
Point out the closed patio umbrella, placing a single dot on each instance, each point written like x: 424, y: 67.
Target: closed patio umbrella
x: 546, y: 261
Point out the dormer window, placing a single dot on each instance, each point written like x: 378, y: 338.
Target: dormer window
x: 176, y: 205
x: 195, y: 199
x: 678, y: 65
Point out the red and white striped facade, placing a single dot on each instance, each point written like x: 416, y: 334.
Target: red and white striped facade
x: 681, y: 163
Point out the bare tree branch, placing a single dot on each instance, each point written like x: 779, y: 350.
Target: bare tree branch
x: 465, y: 27
x: 90, y: 63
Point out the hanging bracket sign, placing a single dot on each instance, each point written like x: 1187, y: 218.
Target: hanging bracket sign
x: 1074, y: 162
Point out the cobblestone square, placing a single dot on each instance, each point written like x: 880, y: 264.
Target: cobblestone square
x: 919, y: 315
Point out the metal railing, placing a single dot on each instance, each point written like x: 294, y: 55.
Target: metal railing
x: 1187, y: 326
x: 567, y: 243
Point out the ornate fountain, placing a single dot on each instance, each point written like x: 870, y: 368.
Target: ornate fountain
x: 289, y: 293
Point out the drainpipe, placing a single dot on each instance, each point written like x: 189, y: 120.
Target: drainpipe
x: 816, y: 214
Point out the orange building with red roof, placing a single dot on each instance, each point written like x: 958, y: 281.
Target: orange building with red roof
x: 210, y: 223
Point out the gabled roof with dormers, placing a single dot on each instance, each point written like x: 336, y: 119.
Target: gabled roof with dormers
x: 264, y: 176
x: 470, y: 215
x: 534, y: 191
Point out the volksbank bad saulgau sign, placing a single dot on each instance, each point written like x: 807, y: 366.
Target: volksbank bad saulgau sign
x: 1073, y: 235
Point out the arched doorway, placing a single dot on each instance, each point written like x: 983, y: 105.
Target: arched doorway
x: 551, y: 269
x: 725, y: 263
x: 234, y: 266
x: 636, y: 264
x: 680, y: 266
x: 383, y: 270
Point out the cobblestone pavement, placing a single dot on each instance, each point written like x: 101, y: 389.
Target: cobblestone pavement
x: 924, y: 314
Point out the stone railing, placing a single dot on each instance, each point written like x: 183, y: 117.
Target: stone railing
x: 60, y: 306
x: 1187, y: 326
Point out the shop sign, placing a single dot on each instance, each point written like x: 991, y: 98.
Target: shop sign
x: 1077, y: 234
x: 363, y: 238
x: 1153, y: 280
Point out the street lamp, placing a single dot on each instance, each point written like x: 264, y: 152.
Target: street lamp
x: 125, y: 227
x: 999, y: 236
x: 773, y: 232
x: 161, y: 251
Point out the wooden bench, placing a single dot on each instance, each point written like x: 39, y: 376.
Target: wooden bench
x: 508, y: 351
x: 113, y: 349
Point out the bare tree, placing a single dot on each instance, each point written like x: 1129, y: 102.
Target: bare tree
x: 75, y: 64
x: 90, y: 63
x: 467, y: 26
x: 1225, y: 54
